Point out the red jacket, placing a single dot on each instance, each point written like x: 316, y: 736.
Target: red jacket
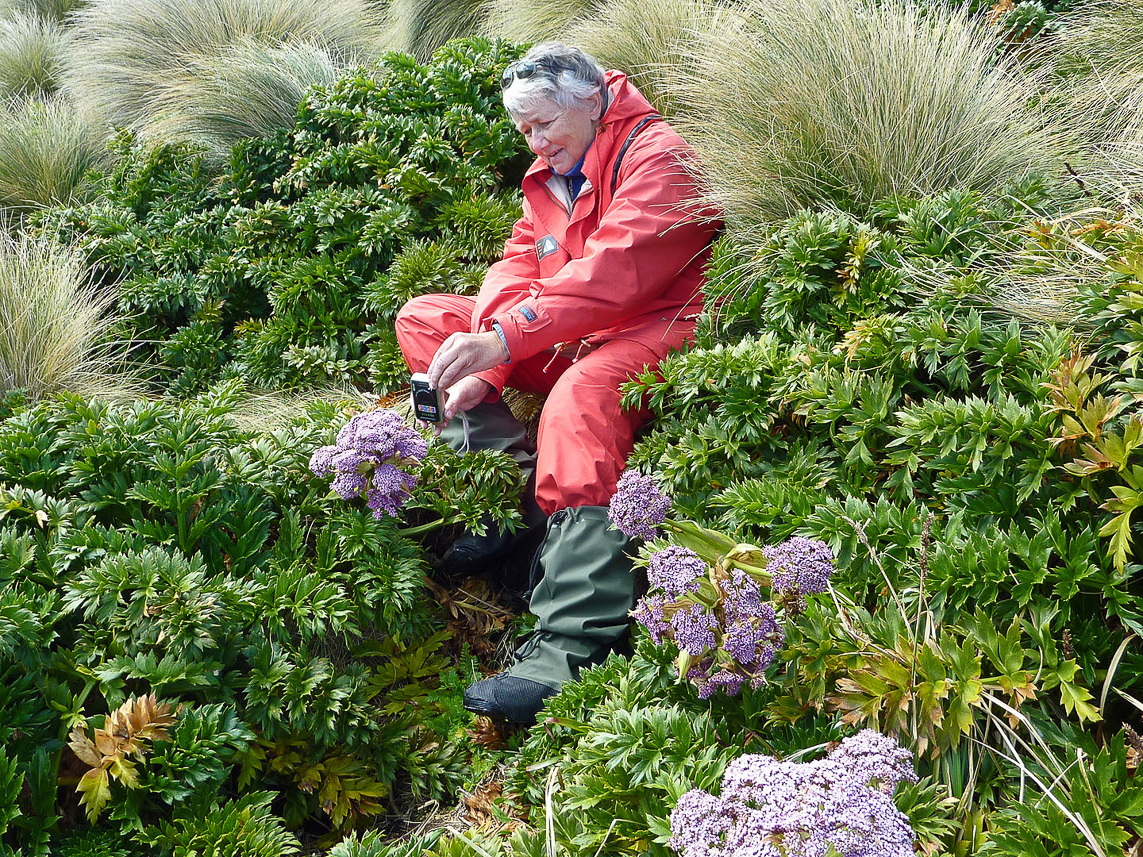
x: 624, y: 266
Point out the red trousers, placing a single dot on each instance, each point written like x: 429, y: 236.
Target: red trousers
x: 585, y: 436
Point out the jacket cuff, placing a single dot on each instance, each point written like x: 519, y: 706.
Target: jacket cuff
x: 522, y: 323
x: 500, y: 332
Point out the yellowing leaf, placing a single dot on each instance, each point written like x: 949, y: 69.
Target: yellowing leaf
x: 123, y: 769
x: 95, y: 791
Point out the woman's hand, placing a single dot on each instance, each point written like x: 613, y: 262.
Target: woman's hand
x: 464, y: 354
x: 464, y: 395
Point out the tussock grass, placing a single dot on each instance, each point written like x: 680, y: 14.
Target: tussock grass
x: 538, y: 20
x: 1098, y: 89
x: 55, y: 10
x: 652, y: 41
x: 54, y: 323
x: 251, y: 90
x: 419, y: 27
x: 1097, y: 68
x: 801, y: 103
x: 47, y: 149
x: 265, y: 411
x: 31, y: 51
x: 135, y: 62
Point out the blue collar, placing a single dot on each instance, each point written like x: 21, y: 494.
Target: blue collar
x: 575, y: 177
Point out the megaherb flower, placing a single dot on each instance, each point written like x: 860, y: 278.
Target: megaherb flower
x: 798, y: 567
x: 638, y: 506
x: 367, y: 460
x: 773, y: 808
x: 717, y: 613
x: 711, y: 596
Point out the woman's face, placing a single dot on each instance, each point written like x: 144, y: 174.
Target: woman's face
x: 560, y: 135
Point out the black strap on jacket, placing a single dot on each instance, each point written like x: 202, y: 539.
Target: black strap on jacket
x: 643, y: 123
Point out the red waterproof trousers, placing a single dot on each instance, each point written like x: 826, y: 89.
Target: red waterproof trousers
x: 585, y: 436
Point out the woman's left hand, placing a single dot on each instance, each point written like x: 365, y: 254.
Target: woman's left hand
x: 464, y: 354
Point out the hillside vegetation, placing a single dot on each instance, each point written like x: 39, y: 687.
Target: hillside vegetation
x: 919, y: 374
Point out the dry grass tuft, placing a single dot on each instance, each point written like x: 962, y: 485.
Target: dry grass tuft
x: 650, y: 41
x: 1095, y: 58
x: 803, y: 103
x: 538, y: 20
x: 47, y: 149
x: 55, y: 323
x: 32, y: 48
x: 419, y: 27
x: 250, y: 90
x: 149, y: 64
x: 55, y: 10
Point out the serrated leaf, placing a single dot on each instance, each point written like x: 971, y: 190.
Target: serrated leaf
x: 95, y: 791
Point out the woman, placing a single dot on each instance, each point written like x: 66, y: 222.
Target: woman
x: 601, y: 278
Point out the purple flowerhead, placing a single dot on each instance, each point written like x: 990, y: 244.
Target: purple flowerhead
x: 875, y: 759
x: 649, y: 614
x: 742, y: 596
x: 388, y: 489
x: 321, y: 462
x: 770, y: 806
x: 638, y: 507
x: 350, y: 485
x: 799, y: 567
x: 365, y: 460
x: 698, y: 821
x: 675, y: 571
x: 382, y: 433
x: 754, y: 641
x: 693, y: 629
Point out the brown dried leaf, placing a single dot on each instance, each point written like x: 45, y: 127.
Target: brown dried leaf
x: 489, y: 733
x: 83, y: 747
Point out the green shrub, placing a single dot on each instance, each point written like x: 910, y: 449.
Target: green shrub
x: 135, y: 61
x: 1085, y: 801
x: 974, y: 474
x: 243, y: 828
x: 31, y: 49
x: 286, y: 631
x: 288, y: 265
x: 805, y: 103
x: 54, y: 323
x: 47, y: 150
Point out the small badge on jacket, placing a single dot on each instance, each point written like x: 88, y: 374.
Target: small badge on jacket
x: 546, y: 246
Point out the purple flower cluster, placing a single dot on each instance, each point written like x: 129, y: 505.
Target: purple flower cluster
x: 799, y: 567
x: 367, y: 459
x: 729, y: 632
x: 638, y: 507
x: 772, y: 808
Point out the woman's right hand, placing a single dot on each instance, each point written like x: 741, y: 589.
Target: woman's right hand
x: 464, y: 395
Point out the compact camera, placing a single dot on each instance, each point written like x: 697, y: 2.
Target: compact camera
x: 426, y: 405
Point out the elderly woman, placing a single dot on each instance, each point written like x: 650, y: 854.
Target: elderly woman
x: 601, y: 278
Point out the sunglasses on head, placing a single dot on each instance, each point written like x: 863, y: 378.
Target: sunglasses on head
x: 524, y: 69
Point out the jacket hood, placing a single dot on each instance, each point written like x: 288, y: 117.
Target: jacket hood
x: 624, y: 100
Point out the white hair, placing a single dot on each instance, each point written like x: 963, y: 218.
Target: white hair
x: 564, y: 74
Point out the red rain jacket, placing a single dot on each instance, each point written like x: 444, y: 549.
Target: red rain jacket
x: 626, y: 266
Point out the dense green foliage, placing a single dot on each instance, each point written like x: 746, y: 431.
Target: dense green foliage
x: 204, y: 651
x: 159, y: 549
x: 288, y: 267
x: 970, y: 470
